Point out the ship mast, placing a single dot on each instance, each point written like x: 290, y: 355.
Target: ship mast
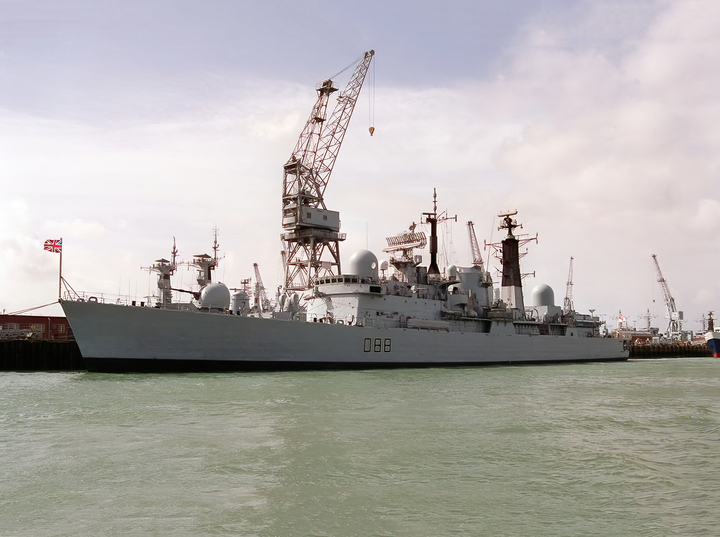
x: 165, y: 269
x: 508, y: 252
x: 205, y: 264
x: 433, y: 219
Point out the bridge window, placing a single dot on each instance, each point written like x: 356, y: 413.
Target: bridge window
x: 368, y: 345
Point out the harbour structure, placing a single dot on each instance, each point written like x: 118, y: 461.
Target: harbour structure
x: 261, y: 302
x: 674, y: 330
x: 34, y: 327
x: 311, y: 237
x: 644, y: 336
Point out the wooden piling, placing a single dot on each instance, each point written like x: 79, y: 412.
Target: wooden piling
x: 668, y: 350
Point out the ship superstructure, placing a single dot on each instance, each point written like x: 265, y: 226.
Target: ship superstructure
x: 460, y: 299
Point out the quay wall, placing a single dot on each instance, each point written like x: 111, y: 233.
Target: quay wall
x: 668, y: 350
x: 39, y: 355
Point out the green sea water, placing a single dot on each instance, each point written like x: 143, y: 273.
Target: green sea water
x: 611, y: 449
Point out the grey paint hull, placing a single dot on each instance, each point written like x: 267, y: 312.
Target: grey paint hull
x: 125, y: 338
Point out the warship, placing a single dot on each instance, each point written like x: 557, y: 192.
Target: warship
x: 366, y: 316
x: 415, y: 316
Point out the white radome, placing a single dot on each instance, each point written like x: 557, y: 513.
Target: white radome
x: 542, y: 295
x: 215, y: 295
x: 362, y: 263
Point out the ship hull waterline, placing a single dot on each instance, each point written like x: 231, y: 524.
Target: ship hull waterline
x: 713, y: 343
x: 117, y: 338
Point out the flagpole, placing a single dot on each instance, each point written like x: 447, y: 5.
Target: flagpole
x: 60, y: 279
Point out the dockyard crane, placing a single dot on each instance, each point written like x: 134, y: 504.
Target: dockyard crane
x: 674, y: 329
x: 311, y: 242
x: 568, y: 302
x: 262, y: 303
x: 475, y: 249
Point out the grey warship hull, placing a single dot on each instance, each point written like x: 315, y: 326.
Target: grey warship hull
x: 117, y: 338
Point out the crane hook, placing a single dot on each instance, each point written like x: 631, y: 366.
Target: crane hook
x: 371, y: 129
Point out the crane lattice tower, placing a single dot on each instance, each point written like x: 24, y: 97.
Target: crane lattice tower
x: 311, y: 242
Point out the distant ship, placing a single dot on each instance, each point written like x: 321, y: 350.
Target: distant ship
x: 712, y: 337
x: 414, y: 317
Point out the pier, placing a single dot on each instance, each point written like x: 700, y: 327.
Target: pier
x: 40, y: 355
x: 668, y: 350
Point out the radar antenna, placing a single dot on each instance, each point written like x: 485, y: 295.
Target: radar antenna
x: 165, y: 269
x: 406, y: 242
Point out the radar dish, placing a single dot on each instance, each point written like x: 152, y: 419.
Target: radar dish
x: 406, y: 241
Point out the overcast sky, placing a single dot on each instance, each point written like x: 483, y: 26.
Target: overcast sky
x: 126, y: 123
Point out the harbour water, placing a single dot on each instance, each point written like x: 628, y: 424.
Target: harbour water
x: 622, y: 449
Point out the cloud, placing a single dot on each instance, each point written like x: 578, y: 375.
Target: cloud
x: 599, y: 123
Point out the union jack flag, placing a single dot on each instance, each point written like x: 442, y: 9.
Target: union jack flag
x: 53, y: 245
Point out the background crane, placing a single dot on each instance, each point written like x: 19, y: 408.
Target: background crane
x: 311, y: 242
x: 474, y: 247
x: 262, y: 303
x: 568, y: 302
x: 674, y: 329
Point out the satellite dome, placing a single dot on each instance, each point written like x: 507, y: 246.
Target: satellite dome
x: 364, y: 264
x: 215, y: 295
x: 239, y: 301
x: 542, y: 295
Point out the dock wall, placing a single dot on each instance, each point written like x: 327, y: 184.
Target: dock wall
x: 33, y: 355
x: 668, y: 350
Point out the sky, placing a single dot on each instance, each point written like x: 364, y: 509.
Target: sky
x: 125, y: 124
